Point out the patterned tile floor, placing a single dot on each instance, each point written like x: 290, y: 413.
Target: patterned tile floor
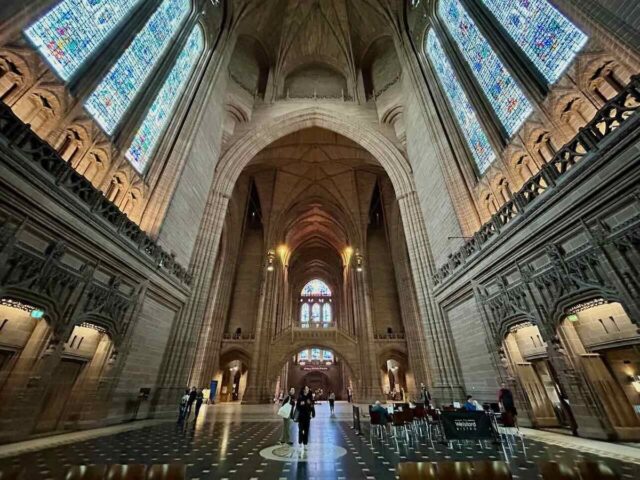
x: 226, y: 442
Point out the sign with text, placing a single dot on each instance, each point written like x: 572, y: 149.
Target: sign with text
x: 466, y: 426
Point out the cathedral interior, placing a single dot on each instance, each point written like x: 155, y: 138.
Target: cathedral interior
x: 414, y: 202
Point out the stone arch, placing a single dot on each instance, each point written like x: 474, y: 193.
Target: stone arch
x: 282, y: 355
x: 248, y: 146
x: 15, y: 76
x: 560, y: 308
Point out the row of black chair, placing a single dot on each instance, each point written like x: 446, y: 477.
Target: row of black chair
x: 173, y: 471
x: 498, y: 470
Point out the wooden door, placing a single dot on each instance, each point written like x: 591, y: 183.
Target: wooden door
x: 55, y: 400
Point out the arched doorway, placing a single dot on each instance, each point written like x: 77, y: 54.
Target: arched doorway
x: 232, y: 376
x: 527, y: 360
x: 601, y: 343
x: 318, y: 368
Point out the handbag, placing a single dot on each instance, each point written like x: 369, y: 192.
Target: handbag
x: 285, y: 410
x: 296, y: 415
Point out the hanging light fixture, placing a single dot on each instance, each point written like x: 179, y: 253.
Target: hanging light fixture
x: 271, y: 259
x: 359, y: 261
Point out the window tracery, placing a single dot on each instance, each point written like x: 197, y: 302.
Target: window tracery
x: 504, y: 95
x: 157, y: 118
x: 72, y: 30
x: 112, y: 97
x: 546, y: 36
x: 473, y: 133
x: 315, y: 308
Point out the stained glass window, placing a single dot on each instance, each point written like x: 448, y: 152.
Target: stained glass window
x: 157, y: 118
x: 304, y: 313
x: 72, y: 30
x: 478, y: 143
x: 505, y: 97
x: 315, y: 354
x: 303, y: 355
x: 544, y: 34
x: 112, y: 97
x: 316, y: 288
x: 315, y: 313
x: 326, y: 313
x: 327, y: 355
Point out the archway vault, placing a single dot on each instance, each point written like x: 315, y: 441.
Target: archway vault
x: 238, y: 156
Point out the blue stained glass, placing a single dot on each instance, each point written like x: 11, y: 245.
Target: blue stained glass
x: 326, y: 313
x: 304, y: 313
x: 315, y: 354
x: 112, y: 97
x: 316, y: 288
x: 478, y: 143
x: 505, y: 97
x: 315, y: 313
x: 544, y: 34
x: 327, y: 355
x: 157, y: 118
x: 304, y: 355
x: 72, y: 30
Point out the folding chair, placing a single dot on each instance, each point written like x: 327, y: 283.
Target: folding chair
x: 86, y: 472
x: 416, y: 471
x: 134, y: 471
x: 172, y: 471
x: 495, y: 470
x: 557, y: 471
x: 596, y: 471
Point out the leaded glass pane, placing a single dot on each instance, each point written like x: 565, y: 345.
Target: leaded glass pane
x: 544, y: 34
x: 157, y: 118
x: 112, y: 97
x: 304, y: 313
x: 316, y: 288
x: 326, y: 313
x: 304, y: 355
x: 315, y: 313
x: 473, y: 133
x: 327, y: 355
x: 72, y: 30
x: 315, y: 354
x: 505, y: 97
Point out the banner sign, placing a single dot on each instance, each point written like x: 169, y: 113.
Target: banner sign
x: 213, y: 386
x: 466, y: 426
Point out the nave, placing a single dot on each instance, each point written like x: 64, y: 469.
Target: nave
x: 229, y: 442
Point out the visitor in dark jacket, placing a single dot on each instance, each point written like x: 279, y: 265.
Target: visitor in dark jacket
x: 306, y: 411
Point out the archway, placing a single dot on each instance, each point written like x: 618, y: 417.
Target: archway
x: 232, y: 376
x: 601, y: 343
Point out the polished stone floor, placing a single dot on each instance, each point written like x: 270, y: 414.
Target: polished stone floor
x: 239, y: 442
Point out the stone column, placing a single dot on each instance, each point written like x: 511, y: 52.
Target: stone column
x: 180, y: 352
x: 437, y: 344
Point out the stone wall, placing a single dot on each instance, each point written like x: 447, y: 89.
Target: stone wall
x: 181, y: 224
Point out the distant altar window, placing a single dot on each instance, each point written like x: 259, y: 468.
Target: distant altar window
x: 315, y: 305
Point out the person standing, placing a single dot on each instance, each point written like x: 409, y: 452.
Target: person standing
x: 425, y: 396
x: 199, y: 400
x: 508, y: 406
x: 182, y: 411
x: 350, y: 395
x: 286, y: 427
x: 192, y: 398
x: 332, y: 402
x: 306, y: 411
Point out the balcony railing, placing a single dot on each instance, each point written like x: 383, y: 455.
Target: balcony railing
x: 389, y: 336
x: 42, y: 158
x: 609, y: 118
x: 238, y: 337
